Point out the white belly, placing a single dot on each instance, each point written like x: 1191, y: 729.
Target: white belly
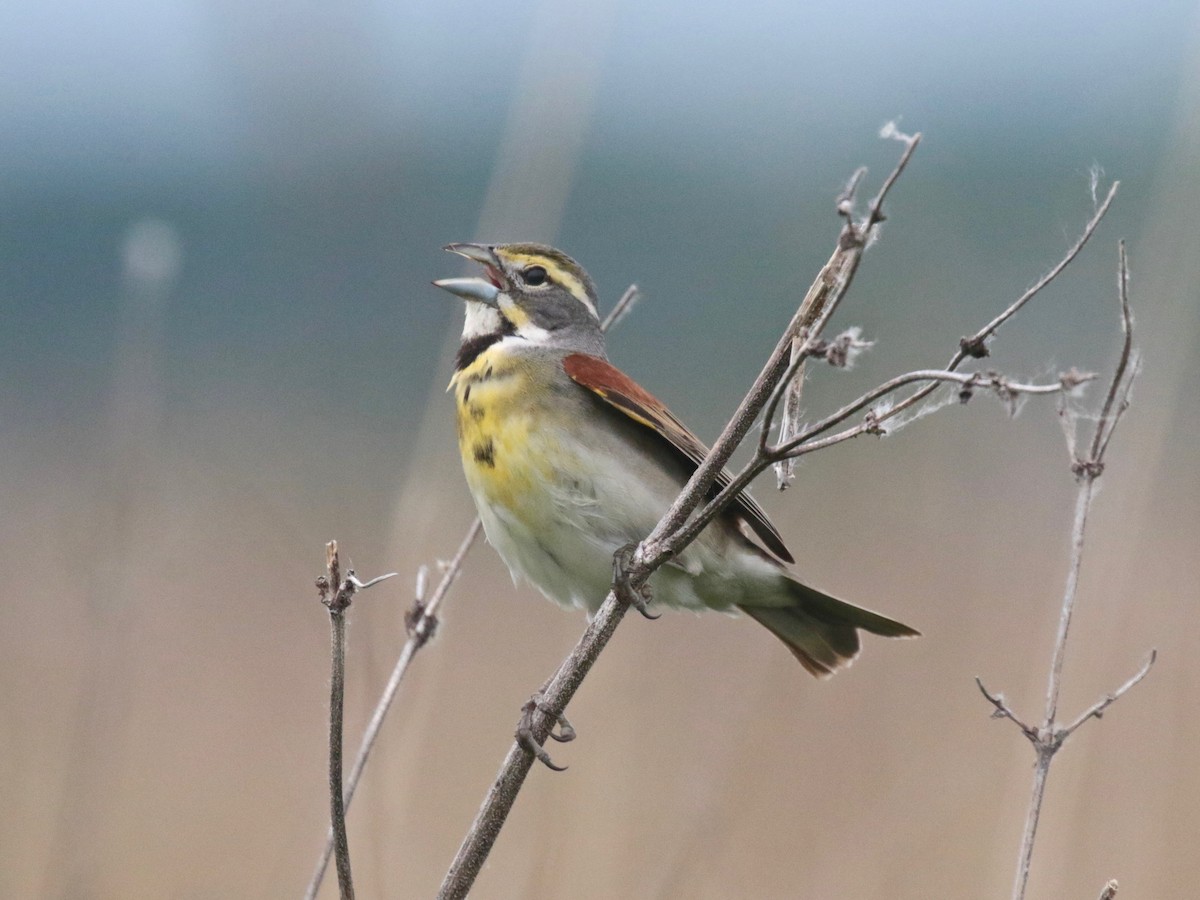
x: 561, y: 537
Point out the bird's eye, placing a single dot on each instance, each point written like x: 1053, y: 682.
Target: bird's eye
x: 533, y: 275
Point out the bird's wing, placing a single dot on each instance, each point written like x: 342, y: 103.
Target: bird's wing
x: 623, y: 393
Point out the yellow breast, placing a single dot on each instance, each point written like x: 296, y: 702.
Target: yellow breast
x: 501, y: 430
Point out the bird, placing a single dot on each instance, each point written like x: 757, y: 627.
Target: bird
x: 569, y: 461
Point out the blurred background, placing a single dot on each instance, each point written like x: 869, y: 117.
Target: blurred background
x: 218, y: 224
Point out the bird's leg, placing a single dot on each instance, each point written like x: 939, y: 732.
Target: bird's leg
x: 637, y: 597
x: 525, y: 728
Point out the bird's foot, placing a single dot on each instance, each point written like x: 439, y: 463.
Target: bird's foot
x: 638, y: 597
x: 525, y: 730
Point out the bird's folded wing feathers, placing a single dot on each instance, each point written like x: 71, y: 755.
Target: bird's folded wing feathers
x: 623, y: 393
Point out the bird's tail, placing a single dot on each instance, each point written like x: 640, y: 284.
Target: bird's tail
x: 820, y: 631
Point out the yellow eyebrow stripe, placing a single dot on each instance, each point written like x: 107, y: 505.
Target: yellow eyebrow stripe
x: 557, y: 274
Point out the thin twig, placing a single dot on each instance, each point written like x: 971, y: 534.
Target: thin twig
x: 793, y: 380
x: 1109, y: 414
x: 503, y: 792
x: 628, y: 299
x: 337, y: 594
x: 975, y: 346
x: 337, y: 601
x: 632, y: 573
x: 789, y: 419
x: 1096, y: 710
x: 1004, y: 711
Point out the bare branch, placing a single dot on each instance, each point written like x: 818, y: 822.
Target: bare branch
x: 803, y: 443
x: 839, y: 353
x: 1002, y: 386
x: 1003, y: 711
x: 503, y: 793
x: 875, y: 208
x: 1110, y: 416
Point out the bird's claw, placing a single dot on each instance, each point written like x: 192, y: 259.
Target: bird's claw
x: 565, y: 733
x: 637, y: 597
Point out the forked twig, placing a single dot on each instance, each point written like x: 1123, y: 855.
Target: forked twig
x: 1048, y: 738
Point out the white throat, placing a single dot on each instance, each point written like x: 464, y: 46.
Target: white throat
x: 480, y: 319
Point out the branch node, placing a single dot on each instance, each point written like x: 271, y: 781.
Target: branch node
x: 419, y: 625
x: 974, y: 347
x: 1072, y: 379
x: 850, y: 238
x: 842, y: 351
x: 1087, y: 469
x: 873, y: 424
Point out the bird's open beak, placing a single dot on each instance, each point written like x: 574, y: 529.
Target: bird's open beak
x: 480, y: 290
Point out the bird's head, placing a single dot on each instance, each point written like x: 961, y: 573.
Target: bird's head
x: 531, y: 291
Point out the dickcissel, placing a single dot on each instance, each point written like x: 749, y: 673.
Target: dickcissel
x: 569, y: 460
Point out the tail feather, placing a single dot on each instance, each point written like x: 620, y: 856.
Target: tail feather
x: 821, y: 631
